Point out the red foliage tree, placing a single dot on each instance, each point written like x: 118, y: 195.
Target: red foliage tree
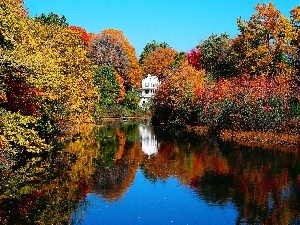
x: 193, y: 58
x: 22, y: 98
x: 83, y: 33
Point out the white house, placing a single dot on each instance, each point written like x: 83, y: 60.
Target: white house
x: 149, y: 86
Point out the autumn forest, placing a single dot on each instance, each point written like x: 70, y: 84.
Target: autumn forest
x: 54, y: 75
x: 234, y: 101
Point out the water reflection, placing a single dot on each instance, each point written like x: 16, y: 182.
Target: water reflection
x: 150, y: 144
x: 48, y: 188
x: 117, y: 163
x: 262, y: 184
x: 128, y: 168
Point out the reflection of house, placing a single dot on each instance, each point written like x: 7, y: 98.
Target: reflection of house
x: 149, y: 142
x: 149, y: 86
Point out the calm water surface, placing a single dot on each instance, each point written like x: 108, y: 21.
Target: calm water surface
x: 128, y: 174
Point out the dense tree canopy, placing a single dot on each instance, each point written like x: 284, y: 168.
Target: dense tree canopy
x: 264, y: 45
x: 52, y: 74
x: 150, y: 47
x: 174, y: 97
x: 84, y: 36
x: 159, y: 62
x: 295, y: 20
x: 52, y: 18
x: 215, y: 56
x: 111, y: 48
x: 50, y: 61
x: 110, y: 86
x: 254, y: 86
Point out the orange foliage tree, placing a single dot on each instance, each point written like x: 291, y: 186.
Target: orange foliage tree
x: 174, y: 97
x: 295, y: 19
x: 159, y: 62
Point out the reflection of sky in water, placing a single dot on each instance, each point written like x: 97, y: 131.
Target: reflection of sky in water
x: 149, y: 142
x: 156, y: 203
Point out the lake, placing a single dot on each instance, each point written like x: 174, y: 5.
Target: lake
x: 129, y: 173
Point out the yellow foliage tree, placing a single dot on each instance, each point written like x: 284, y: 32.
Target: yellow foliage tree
x: 264, y: 45
x: 50, y: 58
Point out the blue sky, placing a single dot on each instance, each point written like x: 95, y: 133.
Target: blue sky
x: 180, y: 23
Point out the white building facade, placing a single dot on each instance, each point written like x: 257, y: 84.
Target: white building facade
x: 149, y: 86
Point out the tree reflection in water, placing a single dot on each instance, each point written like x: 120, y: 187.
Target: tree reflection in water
x: 263, y: 185
x: 49, y: 188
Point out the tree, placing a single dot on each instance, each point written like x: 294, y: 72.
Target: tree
x: 194, y: 58
x: 48, y: 59
x: 173, y: 101
x: 52, y: 18
x: 150, y: 47
x: 111, y: 48
x: 295, y: 20
x: 132, y: 100
x: 179, y: 59
x: 264, y: 45
x: 11, y: 18
x: 84, y: 36
x: 110, y: 86
x: 214, y: 56
x: 159, y: 62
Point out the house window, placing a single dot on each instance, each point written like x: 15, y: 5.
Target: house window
x: 146, y: 84
x: 147, y: 91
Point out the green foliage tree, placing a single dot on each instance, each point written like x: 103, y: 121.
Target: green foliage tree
x: 52, y: 18
x: 215, y: 56
x: 179, y: 59
x: 108, y: 86
x: 132, y: 100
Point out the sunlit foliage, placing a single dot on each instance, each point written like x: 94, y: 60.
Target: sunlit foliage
x: 84, y: 36
x: 254, y: 86
x: 150, y: 47
x: 174, y: 97
x: 194, y: 57
x: 18, y: 135
x: 159, y: 62
x: 52, y: 59
x: 264, y: 45
x: 46, y: 74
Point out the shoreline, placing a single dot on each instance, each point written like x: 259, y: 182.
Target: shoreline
x: 267, y: 140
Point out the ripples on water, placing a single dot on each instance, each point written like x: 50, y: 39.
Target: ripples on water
x: 129, y: 174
